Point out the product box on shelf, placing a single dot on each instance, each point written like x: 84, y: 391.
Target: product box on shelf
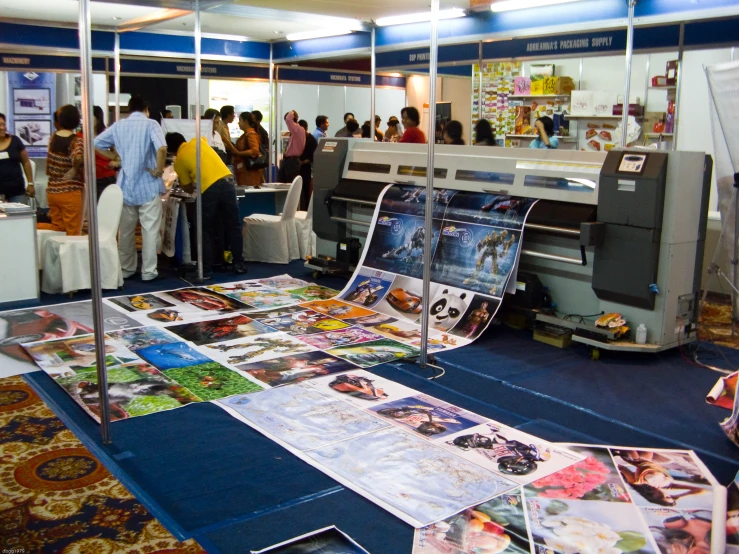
x: 523, y: 120
x: 559, y: 85
x: 659, y: 81
x: 602, y: 103
x: 634, y: 109
x: 540, y: 71
x: 537, y: 87
x: 582, y: 102
x: 522, y: 86
x: 551, y: 85
x: 671, y: 71
x: 566, y: 85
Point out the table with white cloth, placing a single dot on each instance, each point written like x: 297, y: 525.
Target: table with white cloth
x: 268, y: 199
x: 19, y: 273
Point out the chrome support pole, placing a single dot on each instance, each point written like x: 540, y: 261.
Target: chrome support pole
x: 271, y: 114
x: 117, y: 73
x: 479, y: 83
x: 277, y: 135
x: 373, y: 86
x: 678, y: 88
x: 198, y: 183
x: 627, y: 84
x: 428, y: 220
x: 88, y: 130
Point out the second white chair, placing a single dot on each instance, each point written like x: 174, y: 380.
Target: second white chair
x: 304, y: 228
x: 273, y: 238
x: 67, y: 259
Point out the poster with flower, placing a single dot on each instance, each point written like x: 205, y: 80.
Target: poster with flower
x: 592, y: 507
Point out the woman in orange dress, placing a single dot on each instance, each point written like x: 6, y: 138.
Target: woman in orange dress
x: 247, y: 147
x: 64, y: 165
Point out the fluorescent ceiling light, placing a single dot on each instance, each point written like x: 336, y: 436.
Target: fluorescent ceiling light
x: 318, y: 34
x: 419, y: 17
x: 508, y: 5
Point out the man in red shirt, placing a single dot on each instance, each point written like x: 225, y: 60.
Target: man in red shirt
x: 411, y: 119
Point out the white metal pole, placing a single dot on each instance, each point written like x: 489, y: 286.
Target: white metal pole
x: 428, y: 229
x: 678, y: 89
x: 88, y: 130
x: 627, y: 85
x: 276, y: 136
x: 117, y: 78
x: 198, y: 184
x: 271, y: 113
x: 373, y: 86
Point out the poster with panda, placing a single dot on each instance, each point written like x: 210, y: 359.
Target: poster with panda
x: 475, y: 253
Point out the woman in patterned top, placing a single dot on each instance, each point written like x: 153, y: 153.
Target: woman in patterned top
x: 64, y: 163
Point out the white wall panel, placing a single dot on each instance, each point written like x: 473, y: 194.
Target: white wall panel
x: 694, y: 123
x: 358, y: 102
x: 302, y: 98
x: 331, y: 104
x: 389, y: 102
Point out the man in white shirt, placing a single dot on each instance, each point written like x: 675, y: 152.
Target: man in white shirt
x: 140, y: 143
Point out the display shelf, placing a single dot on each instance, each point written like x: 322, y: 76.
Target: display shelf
x: 538, y: 96
x: 593, y: 117
x: 563, y: 139
x: 664, y: 87
x: 658, y: 135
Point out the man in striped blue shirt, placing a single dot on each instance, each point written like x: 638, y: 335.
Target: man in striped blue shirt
x: 140, y: 143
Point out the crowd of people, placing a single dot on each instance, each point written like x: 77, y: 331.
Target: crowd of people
x: 133, y: 153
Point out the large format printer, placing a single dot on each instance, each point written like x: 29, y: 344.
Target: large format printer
x: 622, y: 231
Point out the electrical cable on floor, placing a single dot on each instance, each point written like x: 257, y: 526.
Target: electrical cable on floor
x: 695, y: 361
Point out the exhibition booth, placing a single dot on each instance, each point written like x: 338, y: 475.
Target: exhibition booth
x: 386, y: 398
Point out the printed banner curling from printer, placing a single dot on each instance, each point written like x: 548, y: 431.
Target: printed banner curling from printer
x: 475, y: 246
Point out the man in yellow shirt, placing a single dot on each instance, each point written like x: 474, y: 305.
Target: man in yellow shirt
x: 219, y: 196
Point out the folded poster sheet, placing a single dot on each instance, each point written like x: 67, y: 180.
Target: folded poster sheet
x: 732, y: 517
x: 724, y: 394
x: 616, y: 500
x: 418, y: 457
x: 324, y: 541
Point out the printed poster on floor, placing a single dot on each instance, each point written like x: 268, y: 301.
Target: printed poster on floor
x: 401, y: 449
x: 617, y: 500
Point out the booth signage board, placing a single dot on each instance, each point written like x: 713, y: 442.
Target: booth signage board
x: 421, y: 56
x: 155, y: 42
x: 32, y: 62
x: 31, y: 103
x: 582, y: 43
x: 337, y: 78
x: 187, y: 69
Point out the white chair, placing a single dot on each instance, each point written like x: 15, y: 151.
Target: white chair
x: 304, y: 229
x: 42, y: 237
x: 67, y: 259
x: 273, y: 238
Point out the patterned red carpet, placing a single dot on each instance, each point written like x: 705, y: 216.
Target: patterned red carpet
x: 56, y: 497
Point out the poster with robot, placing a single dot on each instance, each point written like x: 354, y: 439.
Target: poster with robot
x: 619, y: 500
x: 475, y: 242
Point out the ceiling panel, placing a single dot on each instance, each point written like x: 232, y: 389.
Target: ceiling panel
x: 256, y: 29
x: 67, y: 11
x: 359, y: 9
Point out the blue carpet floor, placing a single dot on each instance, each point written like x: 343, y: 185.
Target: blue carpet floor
x: 206, y: 475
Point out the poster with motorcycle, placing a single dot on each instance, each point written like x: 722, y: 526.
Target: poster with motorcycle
x: 396, y: 446
x: 515, y: 455
x: 616, y: 500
